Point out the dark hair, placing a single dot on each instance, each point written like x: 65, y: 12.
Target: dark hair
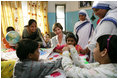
x: 71, y: 35
x: 26, y: 26
x: 24, y: 47
x: 57, y: 25
x: 10, y: 27
x: 47, y: 34
x: 31, y: 21
x: 103, y: 43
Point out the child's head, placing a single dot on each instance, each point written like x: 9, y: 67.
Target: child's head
x: 47, y: 37
x: 10, y: 28
x: 71, y: 39
x: 27, y: 49
x: 106, y: 49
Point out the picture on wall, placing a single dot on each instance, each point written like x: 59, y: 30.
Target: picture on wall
x: 85, y: 4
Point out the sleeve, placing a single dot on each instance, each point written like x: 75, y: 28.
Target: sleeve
x: 4, y: 40
x: 74, y: 71
x: 74, y: 31
x: 24, y: 34
x: 38, y: 38
x: 53, y: 41
x: 49, y: 67
x: 6, y: 44
x: 106, y: 27
x: 77, y: 60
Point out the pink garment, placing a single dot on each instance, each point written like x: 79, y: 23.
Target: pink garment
x: 78, y: 48
x: 55, y: 74
x: 60, y: 47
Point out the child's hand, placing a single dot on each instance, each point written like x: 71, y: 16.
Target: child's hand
x: 70, y: 46
x: 58, y: 51
x: 66, y: 49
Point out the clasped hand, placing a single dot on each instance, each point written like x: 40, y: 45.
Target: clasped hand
x: 67, y: 48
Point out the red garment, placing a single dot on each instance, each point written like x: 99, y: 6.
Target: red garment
x: 78, y: 48
x: 60, y: 47
x: 98, y: 21
x: 55, y: 74
x: 6, y: 44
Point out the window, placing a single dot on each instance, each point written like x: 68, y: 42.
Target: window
x: 60, y: 15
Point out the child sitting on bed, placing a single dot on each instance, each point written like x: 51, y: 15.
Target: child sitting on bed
x: 70, y: 40
x: 6, y: 44
x: 47, y: 40
x: 29, y: 65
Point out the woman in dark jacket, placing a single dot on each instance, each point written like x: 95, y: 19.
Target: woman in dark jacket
x: 32, y: 32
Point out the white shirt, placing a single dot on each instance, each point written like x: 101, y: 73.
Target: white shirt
x: 94, y: 70
x: 54, y: 40
x: 106, y: 27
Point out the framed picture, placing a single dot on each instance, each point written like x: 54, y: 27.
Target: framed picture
x: 83, y: 4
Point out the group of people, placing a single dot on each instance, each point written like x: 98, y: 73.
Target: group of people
x: 100, y: 42
x: 31, y: 32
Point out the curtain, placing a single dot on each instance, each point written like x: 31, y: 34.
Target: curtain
x: 11, y: 15
x: 38, y: 10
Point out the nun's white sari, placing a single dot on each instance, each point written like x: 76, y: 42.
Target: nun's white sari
x: 108, y: 25
x: 84, y: 30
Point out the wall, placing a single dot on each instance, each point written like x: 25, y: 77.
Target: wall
x: 71, y: 13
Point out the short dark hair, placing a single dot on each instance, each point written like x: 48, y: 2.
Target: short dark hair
x: 71, y: 35
x: 24, y: 47
x: 31, y: 21
x: 26, y: 26
x: 47, y: 34
x: 102, y: 40
x: 10, y: 27
x: 57, y: 25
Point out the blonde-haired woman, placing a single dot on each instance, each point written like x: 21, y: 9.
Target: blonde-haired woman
x: 59, y: 39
